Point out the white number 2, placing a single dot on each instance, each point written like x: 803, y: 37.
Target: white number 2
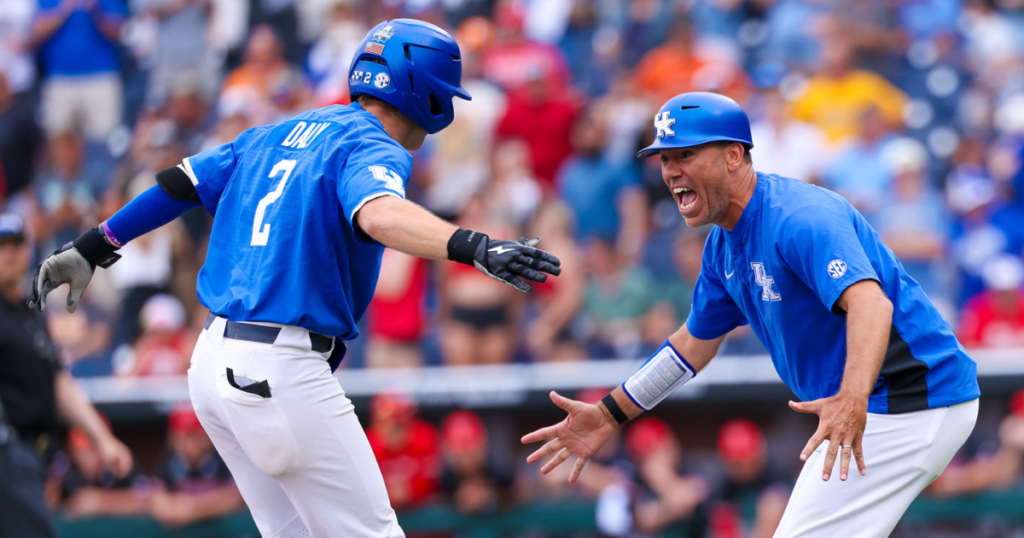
x: 260, y: 236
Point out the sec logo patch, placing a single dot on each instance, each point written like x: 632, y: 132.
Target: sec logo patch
x: 381, y: 81
x: 836, y: 268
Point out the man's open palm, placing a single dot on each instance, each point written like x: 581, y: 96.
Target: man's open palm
x: 583, y: 433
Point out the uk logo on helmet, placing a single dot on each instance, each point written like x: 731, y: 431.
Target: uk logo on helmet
x: 663, y: 123
x: 381, y: 81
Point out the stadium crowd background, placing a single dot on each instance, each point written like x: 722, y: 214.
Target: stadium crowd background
x: 912, y: 109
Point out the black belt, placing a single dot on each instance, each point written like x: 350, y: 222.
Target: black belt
x: 267, y: 335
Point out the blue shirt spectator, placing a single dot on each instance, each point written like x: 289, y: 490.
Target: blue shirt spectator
x: 860, y: 173
x: 604, y: 197
x: 79, y: 46
x: 592, y: 186
x: 77, y: 41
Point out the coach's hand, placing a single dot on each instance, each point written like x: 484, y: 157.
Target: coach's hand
x: 841, y: 420
x: 583, y: 433
x: 503, y: 260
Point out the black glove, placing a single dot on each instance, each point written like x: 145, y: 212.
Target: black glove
x: 503, y: 260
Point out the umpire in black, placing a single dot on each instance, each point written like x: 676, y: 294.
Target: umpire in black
x: 35, y: 392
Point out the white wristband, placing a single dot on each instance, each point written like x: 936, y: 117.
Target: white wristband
x: 662, y: 374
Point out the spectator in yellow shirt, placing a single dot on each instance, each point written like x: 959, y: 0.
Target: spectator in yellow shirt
x: 838, y: 95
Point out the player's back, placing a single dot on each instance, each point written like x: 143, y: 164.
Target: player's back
x: 283, y: 247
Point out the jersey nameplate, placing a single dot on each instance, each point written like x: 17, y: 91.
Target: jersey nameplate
x: 302, y: 134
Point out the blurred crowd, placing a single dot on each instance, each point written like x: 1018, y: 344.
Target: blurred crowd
x: 648, y: 480
x: 189, y: 482
x: 912, y: 109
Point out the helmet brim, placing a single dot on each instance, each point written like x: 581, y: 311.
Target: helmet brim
x: 685, y: 142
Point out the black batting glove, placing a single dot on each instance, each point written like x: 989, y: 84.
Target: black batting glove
x: 503, y: 260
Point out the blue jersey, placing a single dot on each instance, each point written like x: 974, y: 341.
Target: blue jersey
x: 284, y: 247
x: 794, y: 251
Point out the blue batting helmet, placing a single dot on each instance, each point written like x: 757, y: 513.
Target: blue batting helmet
x: 413, y: 65
x: 696, y: 118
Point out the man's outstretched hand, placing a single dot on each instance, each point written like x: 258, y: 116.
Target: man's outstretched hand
x: 841, y: 420
x: 583, y: 432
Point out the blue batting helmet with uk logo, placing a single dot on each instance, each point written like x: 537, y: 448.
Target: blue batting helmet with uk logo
x: 413, y: 65
x: 696, y: 118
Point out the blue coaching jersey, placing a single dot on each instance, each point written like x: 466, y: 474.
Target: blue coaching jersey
x: 284, y: 247
x: 794, y: 251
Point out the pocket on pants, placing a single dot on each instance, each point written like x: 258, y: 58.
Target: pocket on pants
x: 261, y: 428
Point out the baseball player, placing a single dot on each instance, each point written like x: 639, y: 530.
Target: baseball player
x: 302, y: 211
x: 847, y: 329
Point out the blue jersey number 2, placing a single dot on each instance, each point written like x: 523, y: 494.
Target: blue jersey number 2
x: 260, y: 236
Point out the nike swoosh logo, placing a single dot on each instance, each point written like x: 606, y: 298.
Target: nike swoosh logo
x: 729, y: 275
x: 501, y: 249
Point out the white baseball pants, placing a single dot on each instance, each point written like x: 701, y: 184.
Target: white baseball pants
x: 300, y: 458
x: 903, y: 454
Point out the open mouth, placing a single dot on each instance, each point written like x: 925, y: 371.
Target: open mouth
x: 686, y: 198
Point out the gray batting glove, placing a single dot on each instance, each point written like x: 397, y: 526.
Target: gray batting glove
x: 67, y: 265
x: 73, y: 265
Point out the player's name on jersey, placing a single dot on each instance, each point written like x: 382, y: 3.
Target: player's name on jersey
x: 303, y: 134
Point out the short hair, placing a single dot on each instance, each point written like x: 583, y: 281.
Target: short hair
x: 746, y: 150
x: 365, y: 99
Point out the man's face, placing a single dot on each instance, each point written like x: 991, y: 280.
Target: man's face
x: 14, y: 259
x: 191, y: 446
x: 699, y: 181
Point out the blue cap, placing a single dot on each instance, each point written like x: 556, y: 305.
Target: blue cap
x: 412, y: 65
x: 696, y: 118
x: 12, y: 228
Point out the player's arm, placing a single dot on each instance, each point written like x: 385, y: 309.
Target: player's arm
x: 844, y: 416
x: 684, y: 354
x: 695, y: 353
x: 74, y: 407
x: 824, y: 249
x: 589, y: 426
x: 198, y: 180
x: 76, y: 261
x: 409, y: 228
x: 868, y: 323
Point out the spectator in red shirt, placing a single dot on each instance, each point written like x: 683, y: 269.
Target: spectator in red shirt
x: 512, y: 59
x: 472, y: 481
x: 541, y: 115
x: 397, y: 314
x: 406, y: 449
x: 994, y: 318
x: 166, y: 345
x: 749, y: 481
